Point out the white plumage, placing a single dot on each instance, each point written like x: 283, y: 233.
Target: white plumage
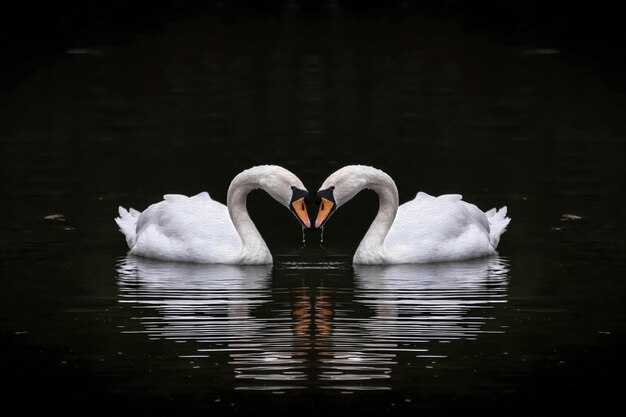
x: 181, y: 228
x: 202, y: 230
x: 425, y: 229
x: 443, y: 228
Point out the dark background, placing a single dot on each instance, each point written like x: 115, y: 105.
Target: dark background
x: 570, y: 160
x: 589, y: 33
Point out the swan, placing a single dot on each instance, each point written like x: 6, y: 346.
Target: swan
x: 201, y: 230
x: 425, y: 229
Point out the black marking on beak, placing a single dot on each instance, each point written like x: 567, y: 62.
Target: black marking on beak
x: 326, y: 206
x: 299, y: 206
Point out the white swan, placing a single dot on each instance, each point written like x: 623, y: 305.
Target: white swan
x: 425, y: 229
x: 199, y: 229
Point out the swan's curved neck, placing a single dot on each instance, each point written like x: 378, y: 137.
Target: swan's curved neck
x: 372, y: 245
x: 253, y: 244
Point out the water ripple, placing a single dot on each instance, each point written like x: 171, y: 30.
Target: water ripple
x: 317, y: 335
x: 408, y: 307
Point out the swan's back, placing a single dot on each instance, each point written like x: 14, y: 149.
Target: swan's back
x: 443, y: 228
x: 181, y: 228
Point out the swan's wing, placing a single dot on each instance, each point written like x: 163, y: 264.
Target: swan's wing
x: 424, y: 198
x: 173, y: 198
x: 187, y: 228
x: 431, y: 228
x: 203, y: 196
x: 442, y: 217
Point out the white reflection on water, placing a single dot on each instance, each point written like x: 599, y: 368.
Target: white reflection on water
x: 411, y: 306
x: 353, y: 337
x: 419, y: 303
x: 217, y: 307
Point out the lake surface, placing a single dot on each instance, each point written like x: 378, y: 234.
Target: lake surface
x: 538, y: 329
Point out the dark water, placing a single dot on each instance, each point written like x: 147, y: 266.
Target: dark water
x: 538, y: 329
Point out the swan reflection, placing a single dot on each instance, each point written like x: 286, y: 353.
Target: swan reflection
x: 419, y: 303
x: 409, y: 307
x: 220, y: 308
x: 303, y: 325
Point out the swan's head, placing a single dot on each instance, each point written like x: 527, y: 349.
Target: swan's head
x: 339, y: 188
x: 288, y: 190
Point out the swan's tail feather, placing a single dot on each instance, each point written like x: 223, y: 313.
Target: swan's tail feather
x: 127, y: 222
x: 497, y: 224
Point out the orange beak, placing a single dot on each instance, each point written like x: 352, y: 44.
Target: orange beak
x: 299, y: 207
x: 323, y: 212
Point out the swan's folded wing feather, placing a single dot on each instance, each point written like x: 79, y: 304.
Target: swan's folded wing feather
x: 434, y: 228
x: 203, y: 196
x: 183, y: 227
x: 172, y: 198
x: 452, y: 198
x: 421, y: 196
